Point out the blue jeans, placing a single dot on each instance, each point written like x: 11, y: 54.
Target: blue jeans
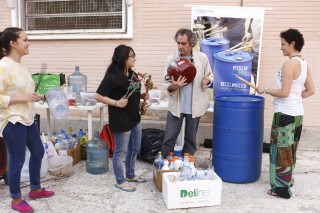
x: 173, y: 128
x: 127, y: 146
x: 17, y: 137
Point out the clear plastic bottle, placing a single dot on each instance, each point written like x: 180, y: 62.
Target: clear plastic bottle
x: 97, y: 156
x: 53, y: 137
x: 185, y: 173
x: 186, y: 154
x: 61, y: 135
x: 73, y: 140
x: 192, y: 167
x: 165, y: 165
x: 78, y: 82
x: 170, y: 156
x: 80, y: 134
x: 171, y: 164
x: 177, y: 163
x: 158, y: 161
x: 59, y: 145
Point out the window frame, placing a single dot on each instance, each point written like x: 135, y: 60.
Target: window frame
x: 82, y: 34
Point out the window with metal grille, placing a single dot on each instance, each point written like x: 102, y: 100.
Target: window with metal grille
x: 78, y: 17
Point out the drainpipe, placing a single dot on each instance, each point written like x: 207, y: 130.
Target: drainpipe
x: 13, y: 4
x: 129, y: 20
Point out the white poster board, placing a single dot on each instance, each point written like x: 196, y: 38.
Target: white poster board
x: 231, y: 37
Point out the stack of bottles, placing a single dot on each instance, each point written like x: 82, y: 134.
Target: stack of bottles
x: 68, y: 140
x: 184, y: 164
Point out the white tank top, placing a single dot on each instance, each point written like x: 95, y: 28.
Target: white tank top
x: 292, y: 105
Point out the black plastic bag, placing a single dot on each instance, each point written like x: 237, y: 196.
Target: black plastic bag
x: 151, y: 142
x: 266, y: 147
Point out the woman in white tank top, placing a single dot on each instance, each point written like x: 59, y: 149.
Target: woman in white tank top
x: 293, y: 83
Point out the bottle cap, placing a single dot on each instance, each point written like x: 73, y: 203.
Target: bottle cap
x: 170, y: 153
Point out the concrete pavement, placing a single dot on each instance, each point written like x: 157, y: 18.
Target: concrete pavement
x: 83, y: 192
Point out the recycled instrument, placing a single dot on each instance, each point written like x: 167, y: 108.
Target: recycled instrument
x: 235, y: 46
x: 243, y: 48
x: 182, y: 67
x: 148, y: 86
x: 246, y: 82
x: 218, y: 31
x: 136, y: 85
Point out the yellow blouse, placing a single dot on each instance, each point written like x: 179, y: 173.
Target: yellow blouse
x: 15, y: 80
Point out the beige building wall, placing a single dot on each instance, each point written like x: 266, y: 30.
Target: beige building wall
x: 5, y: 17
x: 155, y: 23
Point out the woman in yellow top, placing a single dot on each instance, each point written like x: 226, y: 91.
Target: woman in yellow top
x: 17, y: 112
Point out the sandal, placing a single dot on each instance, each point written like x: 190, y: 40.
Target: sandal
x: 126, y: 188
x: 272, y: 193
x: 137, y: 180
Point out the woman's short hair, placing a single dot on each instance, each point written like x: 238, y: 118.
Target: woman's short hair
x: 291, y: 35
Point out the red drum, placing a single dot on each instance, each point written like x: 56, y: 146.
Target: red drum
x: 182, y: 67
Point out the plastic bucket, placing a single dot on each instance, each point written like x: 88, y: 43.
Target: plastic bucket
x: 227, y: 64
x: 238, y: 137
x: 211, y: 45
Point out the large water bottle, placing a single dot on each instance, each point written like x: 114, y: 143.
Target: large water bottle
x: 97, y: 156
x: 77, y: 82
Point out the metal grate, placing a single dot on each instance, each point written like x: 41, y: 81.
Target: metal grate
x: 74, y: 15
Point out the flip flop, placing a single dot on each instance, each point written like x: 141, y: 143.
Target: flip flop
x: 137, y: 180
x: 126, y: 188
x: 272, y: 193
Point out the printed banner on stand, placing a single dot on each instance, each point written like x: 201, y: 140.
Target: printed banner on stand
x: 231, y: 38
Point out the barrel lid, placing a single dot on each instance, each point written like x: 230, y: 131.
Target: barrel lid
x: 214, y: 41
x: 233, y: 56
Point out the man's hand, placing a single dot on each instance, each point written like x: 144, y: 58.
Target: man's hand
x: 206, y: 79
x: 181, y: 81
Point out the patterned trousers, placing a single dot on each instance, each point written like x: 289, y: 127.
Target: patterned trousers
x: 285, y: 136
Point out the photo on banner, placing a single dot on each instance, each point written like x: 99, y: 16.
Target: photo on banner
x: 231, y: 38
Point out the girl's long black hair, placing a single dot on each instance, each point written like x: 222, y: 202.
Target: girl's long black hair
x: 118, y: 63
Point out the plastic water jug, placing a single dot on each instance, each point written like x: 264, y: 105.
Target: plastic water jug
x: 58, y: 103
x: 97, y: 156
x: 77, y: 82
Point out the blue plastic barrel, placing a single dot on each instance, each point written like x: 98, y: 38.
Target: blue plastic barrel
x: 211, y: 45
x: 238, y: 137
x: 227, y: 65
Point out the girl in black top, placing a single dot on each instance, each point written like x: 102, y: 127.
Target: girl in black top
x: 124, y: 118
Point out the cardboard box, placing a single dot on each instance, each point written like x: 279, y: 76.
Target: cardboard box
x: 193, y: 193
x: 75, y: 153
x: 157, y: 177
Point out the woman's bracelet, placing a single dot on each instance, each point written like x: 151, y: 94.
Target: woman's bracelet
x: 265, y: 91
